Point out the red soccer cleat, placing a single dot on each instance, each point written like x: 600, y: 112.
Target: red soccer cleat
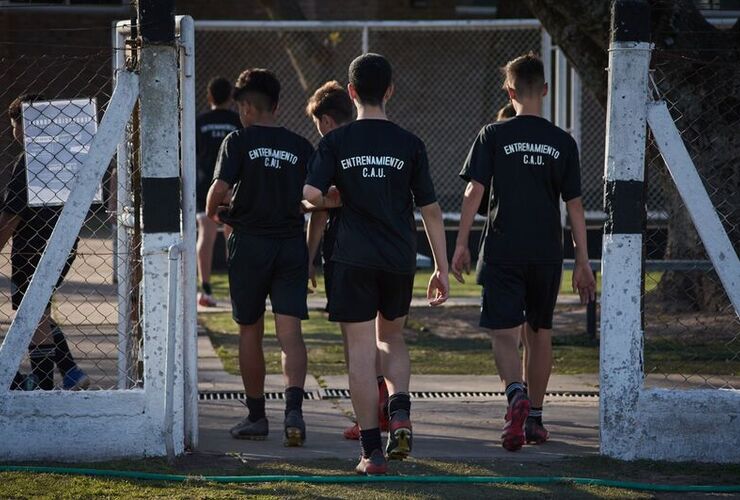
x: 374, y: 465
x: 513, y: 436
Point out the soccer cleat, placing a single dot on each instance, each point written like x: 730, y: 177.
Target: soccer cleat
x: 513, y: 436
x: 534, y: 432
x: 295, y: 429
x: 399, y: 436
x: 374, y: 465
x: 246, y: 429
x: 205, y: 300
x: 75, y: 380
x: 352, y: 432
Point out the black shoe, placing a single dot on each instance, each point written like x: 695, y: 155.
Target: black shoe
x: 295, y: 429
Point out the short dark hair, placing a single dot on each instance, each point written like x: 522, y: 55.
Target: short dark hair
x: 370, y: 75
x: 15, y: 110
x: 505, y: 112
x: 525, y: 74
x: 260, y: 87
x: 219, y: 89
x: 331, y: 99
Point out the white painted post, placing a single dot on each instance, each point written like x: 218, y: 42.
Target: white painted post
x: 160, y: 194
x: 575, y: 106
x: 695, y: 197
x: 546, y: 56
x: 621, y: 371
x: 173, y: 254
x: 561, y: 89
x: 365, y: 39
x: 189, y: 278
x: 67, y: 227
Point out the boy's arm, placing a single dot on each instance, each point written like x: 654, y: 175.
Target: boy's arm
x: 438, y: 289
x: 218, y: 196
x: 471, y: 201
x: 8, y: 223
x: 583, y: 277
x: 316, y: 226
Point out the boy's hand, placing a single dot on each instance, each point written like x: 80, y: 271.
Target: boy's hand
x: 439, y: 288
x: 584, y: 282
x: 461, y: 262
x: 312, y: 277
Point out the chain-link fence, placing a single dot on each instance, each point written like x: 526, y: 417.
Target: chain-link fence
x: 64, y: 99
x: 692, y: 332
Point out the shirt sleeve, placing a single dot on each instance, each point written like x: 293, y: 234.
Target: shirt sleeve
x: 422, y: 186
x: 321, y: 166
x: 230, y: 159
x: 15, y: 198
x: 479, y: 163
x: 571, y: 185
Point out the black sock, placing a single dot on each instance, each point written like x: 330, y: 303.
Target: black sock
x: 42, y: 364
x: 206, y: 286
x: 381, y: 379
x: 370, y: 441
x: 293, y: 399
x: 62, y: 357
x: 536, y: 414
x: 526, y: 388
x: 256, y: 408
x: 399, y: 401
x: 512, y: 389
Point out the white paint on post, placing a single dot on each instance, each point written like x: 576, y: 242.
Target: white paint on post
x: 576, y: 98
x: 189, y: 278
x: 546, y: 55
x: 695, y: 197
x: 68, y: 227
x: 621, y: 317
x: 173, y: 298
x: 365, y: 39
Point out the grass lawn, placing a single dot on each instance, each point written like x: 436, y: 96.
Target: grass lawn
x: 32, y: 485
x: 446, y: 341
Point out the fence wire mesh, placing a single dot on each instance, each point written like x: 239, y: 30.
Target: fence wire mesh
x: 692, y: 332
x: 447, y: 79
x: 59, y: 123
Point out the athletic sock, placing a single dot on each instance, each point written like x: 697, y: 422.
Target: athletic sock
x: 399, y: 401
x: 42, y: 364
x: 381, y: 380
x: 526, y: 388
x: 370, y: 441
x: 256, y: 408
x: 62, y: 356
x: 536, y: 414
x: 512, y: 389
x: 206, y: 286
x: 293, y: 399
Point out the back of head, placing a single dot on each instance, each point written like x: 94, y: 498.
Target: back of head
x: 260, y: 87
x: 526, y: 75
x: 15, y: 110
x: 370, y: 75
x: 219, y: 89
x: 331, y: 99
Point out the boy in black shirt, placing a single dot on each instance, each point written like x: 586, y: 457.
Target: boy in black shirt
x: 266, y: 166
x: 381, y: 170
x: 210, y: 129
x: 31, y: 228
x: 330, y: 107
x: 529, y: 164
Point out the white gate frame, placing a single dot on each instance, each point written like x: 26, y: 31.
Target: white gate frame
x: 640, y: 423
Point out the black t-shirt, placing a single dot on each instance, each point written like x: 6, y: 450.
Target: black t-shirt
x: 267, y: 168
x: 382, y: 171
x: 330, y: 234
x: 36, y: 223
x: 211, y: 128
x: 530, y: 164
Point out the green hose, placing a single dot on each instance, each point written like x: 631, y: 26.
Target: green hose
x: 149, y: 476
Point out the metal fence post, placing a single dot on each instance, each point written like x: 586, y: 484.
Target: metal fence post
x: 160, y: 191
x: 621, y: 370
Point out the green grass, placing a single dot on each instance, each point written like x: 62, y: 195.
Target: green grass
x: 30, y: 485
x: 468, y: 353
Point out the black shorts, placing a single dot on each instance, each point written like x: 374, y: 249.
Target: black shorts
x: 259, y: 267
x: 23, y: 266
x: 515, y: 293
x: 359, y: 293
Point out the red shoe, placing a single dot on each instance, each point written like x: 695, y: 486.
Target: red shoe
x: 535, y: 432
x: 352, y: 432
x: 205, y: 300
x: 374, y: 465
x: 513, y: 436
x: 383, y: 406
x: 400, y: 437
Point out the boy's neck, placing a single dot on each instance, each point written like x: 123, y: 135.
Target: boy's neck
x: 530, y: 107
x: 371, y: 113
x: 266, y: 120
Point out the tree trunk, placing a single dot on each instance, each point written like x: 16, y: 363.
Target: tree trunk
x: 697, y: 71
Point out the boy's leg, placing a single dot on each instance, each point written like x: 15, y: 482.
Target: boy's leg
x: 525, y: 355
x: 207, y: 232
x: 363, y: 384
x: 41, y: 353
x: 252, y: 358
x: 540, y: 363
